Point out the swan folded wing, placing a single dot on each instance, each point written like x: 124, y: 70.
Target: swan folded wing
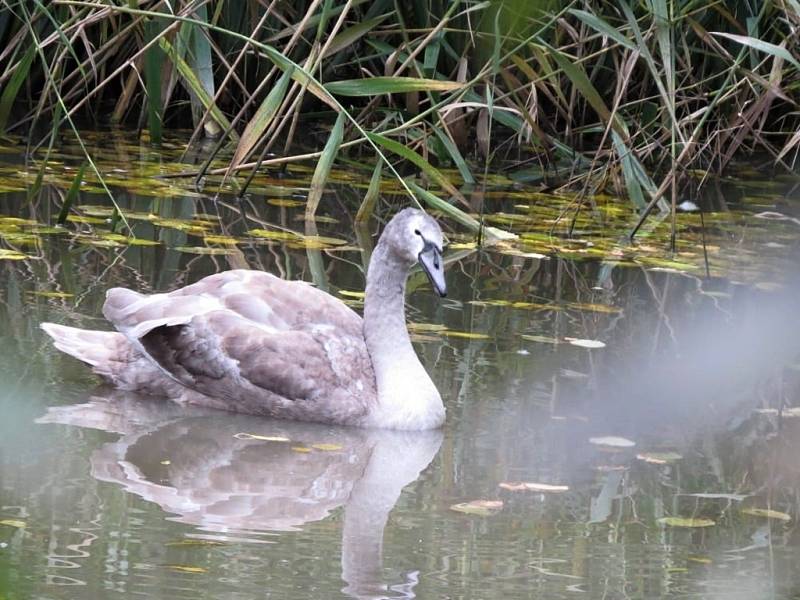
x: 298, y: 374
x: 257, y: 296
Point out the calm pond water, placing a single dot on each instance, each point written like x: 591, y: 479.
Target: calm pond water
x: 104, y: 495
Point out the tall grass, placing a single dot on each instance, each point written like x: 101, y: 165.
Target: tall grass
x: 622, y: 95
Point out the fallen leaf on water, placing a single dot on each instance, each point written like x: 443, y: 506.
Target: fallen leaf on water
x: 264, y: 438
x: 465, y: 334
x: 613, y: 441
x: 12, y: 255
x: 301, y: 449
x: 284, y: 202
x: 519, y: 486
x: 794, y: 411
x: 543, y: 339
x: 659, y: 458
x: 13, y: 523
x: 767, y: 513
x: 186, y: 569
x: 204, y: 250
x: 700, y: 559
x: 53, y: 294
x: 274, y: 235
x: 718, y: 496
x: 327, y: 447
x: 195, y: 542
x: 685, y: 522
x: 352, y: 293
x: 426, y: 326
x: 220, y: 239
x: 88, y: 220
x: 585, y: 343
x: 483, y: 508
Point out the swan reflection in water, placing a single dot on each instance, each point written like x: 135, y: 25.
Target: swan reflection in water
x: 234, y: 474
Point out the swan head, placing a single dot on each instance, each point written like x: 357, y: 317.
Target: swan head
x: 414, y: 236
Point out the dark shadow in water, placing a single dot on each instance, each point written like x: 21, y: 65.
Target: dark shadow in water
x: 239, y: 476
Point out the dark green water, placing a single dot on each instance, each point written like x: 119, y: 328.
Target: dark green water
x: 107, y: 496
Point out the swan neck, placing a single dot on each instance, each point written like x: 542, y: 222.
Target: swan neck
x: 407, y: 398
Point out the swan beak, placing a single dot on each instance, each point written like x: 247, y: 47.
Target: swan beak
x: 431, y: 260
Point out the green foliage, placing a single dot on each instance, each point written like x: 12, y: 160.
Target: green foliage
x: 620, y: 94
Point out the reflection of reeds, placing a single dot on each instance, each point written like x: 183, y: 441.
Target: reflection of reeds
x: 593, y: 96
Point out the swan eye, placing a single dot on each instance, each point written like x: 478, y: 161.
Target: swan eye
x: 417, y: 232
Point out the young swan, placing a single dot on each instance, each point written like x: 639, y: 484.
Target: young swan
x: 249, y: 342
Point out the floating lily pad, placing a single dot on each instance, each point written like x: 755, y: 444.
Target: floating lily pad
x: 482, y: 508
x: 767, y: 513
x: 685, y: 522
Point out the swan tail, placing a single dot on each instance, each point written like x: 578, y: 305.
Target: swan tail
x: 112, y: 356
x: 100, y: 349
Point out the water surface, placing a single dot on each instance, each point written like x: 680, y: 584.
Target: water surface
x: 105, y: 495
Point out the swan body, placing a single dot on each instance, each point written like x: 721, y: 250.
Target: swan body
x: 250, y: 342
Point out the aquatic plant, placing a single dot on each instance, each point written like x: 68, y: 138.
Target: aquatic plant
x: 648, y: 98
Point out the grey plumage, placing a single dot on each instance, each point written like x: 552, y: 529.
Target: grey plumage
x: 247, y: 341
